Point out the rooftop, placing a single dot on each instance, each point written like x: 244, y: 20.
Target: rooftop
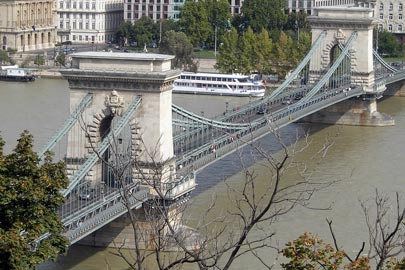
x: 123, y: 55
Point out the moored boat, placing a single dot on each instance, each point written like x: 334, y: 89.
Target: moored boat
x: 14, y: 73
x: 219, y: 84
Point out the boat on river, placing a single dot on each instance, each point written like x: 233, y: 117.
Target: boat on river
x: 14, y: 73
x: 219, y: 84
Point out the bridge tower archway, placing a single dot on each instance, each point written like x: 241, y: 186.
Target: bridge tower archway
x: 339, y: 23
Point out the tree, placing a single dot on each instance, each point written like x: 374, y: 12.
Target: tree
x: 5, y: 58
x: 39, y: 60
x: 125, y: 32
x: 29, y: 199
x: 61, y: 59
x: 246, y: 52
x: 388, y: 44
x: 228, y: 57
x: 218, y: 17
x: 177, y: 43
x: 263, y: 53
x: 285, y: 55
x: 145, y: 31
x: 266, y: 14
x: 194, y: 22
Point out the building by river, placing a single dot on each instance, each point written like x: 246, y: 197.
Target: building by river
x: 27, y: 25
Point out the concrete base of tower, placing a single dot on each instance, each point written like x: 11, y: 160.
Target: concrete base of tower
x: 353, y: 113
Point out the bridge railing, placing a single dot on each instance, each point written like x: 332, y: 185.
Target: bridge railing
x: 226, y: 144
x: 89, y: 220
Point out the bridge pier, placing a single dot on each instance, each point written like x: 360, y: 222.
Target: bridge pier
x: 353, y: 112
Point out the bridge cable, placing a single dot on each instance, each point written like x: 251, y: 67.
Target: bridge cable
x: 298, y: 69
x: 332, y: 69
x: 103, y: 146
x: 66, y: 127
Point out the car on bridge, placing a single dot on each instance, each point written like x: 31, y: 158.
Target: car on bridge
x: 87, y: 194
x: 261, y: 110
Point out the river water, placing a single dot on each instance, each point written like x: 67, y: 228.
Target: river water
x: 361, y: 160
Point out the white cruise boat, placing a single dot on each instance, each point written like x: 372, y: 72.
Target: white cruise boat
x: 219, y: 84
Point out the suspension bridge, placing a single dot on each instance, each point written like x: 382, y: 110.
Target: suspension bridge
x: 125, y: 142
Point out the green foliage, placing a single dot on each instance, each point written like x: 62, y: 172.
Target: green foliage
x: 61, y: 59
x: 145, y: 31
x: 125, y: 32
x: 5, y: 58
x: 29, y: 199
x: 228, y: 57
x: 266, y: 14
x: 263, y: 53
x: 285, y: 55
x: 388, y: 44
x: 177, y: 43
x: 257, y: 52
x: 218, y: 18
x: 39, y: 60
x: 194, y: 22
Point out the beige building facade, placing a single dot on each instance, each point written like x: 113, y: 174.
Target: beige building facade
x: 88, y: 21
x: 27, y: 25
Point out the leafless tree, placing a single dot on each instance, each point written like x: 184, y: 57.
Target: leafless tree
x: 215, y: 243
x: 384, y: 220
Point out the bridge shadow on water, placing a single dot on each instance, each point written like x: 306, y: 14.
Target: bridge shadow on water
x: 234, y: 163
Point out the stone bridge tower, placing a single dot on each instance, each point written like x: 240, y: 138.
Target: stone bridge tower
x: 340, y: 23
x: 115, y: 80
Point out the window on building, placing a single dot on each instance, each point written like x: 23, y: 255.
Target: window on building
x: 381, y: 6
x: 60, y: 4
x: 80, y: 5
x: 74, y: 25
x: 390, y: 16
x: 87, y: 38
x: 128, y: 7
x: 380, y: 27
x: 61, y: 24
x: 93, y: 25
x: 80, y: 25
x: 87, y: 5
x: 93, y: 5
x: 74, y: 37
x: 400, y: 7
x: 87, y: 25
x: 381, y: 16
x: 399, y: 27
x: 129, y: 15
x: 391, y: 6
x: 87, y: 15
x: 400, y: 16
x: 61, y: 15
x: 74, y: 4
x: 80, y: 38
x: 390, y: 27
